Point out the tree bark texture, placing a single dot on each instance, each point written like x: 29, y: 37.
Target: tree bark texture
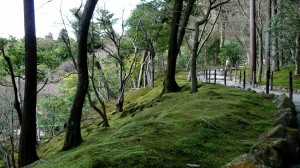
x: 73, y: 135
x: 297, y: 55
x: 170, y: 82
x: 27, y: 143
x: 252, y: 42
x: 120, y: 101
x: 267, y: 40
x: 275, y: 57
x: 194, y: 59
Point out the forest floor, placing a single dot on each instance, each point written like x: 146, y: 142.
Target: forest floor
x: 208, y: 128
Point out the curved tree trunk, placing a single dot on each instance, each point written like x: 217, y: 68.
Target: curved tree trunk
x: 170, y: 82
x: 73, y: 135
x: 27, y: 143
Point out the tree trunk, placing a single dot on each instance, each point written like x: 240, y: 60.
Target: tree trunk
x: 170, y: 82
x: 193, y: 59
x: 109, y: 93
x: 260, y: 53
x: 267, y: 41
x: 151, y: 67
x: 140, y: 79
x: 297, y: 55
x: 120, y: 102
x: 27, y: 143
x: 275, y: 60
x: 73, y: 135
x: 252, y: 42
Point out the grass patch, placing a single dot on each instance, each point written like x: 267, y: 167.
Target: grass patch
x: 209, y: 128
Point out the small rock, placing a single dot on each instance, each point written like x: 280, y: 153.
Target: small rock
x: 192, y: 165
x: 269, y: 152
x: 284, y: 110
x: 287, y: 120
x: 246, y: 161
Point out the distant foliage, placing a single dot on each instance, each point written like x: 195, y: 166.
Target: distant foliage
x: 232, y: 53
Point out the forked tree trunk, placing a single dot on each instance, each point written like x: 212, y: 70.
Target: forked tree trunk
x: 73, y: 135
x: 27, y: 143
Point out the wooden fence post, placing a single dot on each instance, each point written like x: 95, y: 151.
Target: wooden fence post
x: 253, y: 79
x: 209, y: 76
x: 272, y: 76
x: 268, y: 82
x: 215, y: 76
x: 291, y: 85
x: 240, y: 81
x: 206, y: 75
x: 244, y: 80
x: 225, y: 73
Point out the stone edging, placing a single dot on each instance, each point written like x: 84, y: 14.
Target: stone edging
x: 277, y: 147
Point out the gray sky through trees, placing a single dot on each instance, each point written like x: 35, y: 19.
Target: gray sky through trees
x: 48, y: 14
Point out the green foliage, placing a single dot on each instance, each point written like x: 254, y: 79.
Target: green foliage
x: 285, y: 26
x: 209, y: 128
x: 232, y: 52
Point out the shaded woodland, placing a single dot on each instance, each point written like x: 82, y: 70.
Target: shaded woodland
x: 49, y: 85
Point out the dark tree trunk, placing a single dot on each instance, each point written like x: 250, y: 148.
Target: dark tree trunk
x: 267, y: 42
x: 252, y: 43
x: 120, y: 101
x: 17, y: 103
x: 297, y: 55
x: 194, y: 58
x: 73, y: 135
x: 184, y: 23
x: 27, y: 143
x: 170, y: 82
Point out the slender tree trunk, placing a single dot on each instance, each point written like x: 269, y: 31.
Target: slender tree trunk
x: 120, y: 102
x: 140, y: 79
x: 275, y: 60
x: 260, y: 53
x: 267, y: 41
x: 27, y: 144
x: 194, y: 58
x: 151, y: 68
x: 170, y: 82
x: 109, y: 93
x: 252, y: 42
x: 73, y: 135
x: 297, y: 55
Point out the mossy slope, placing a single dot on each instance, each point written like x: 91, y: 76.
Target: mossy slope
x: 209, y: 128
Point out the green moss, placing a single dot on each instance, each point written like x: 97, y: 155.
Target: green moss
x: 209, y: 128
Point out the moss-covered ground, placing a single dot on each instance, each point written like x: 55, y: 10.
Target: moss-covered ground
x: 208, y: 128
